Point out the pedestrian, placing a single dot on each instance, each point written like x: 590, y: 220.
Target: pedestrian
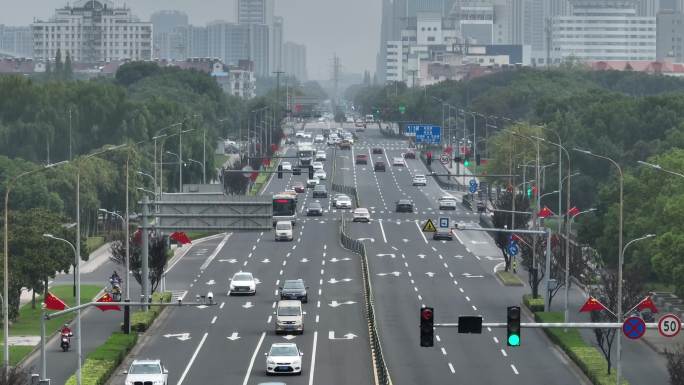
x: 515, y: 266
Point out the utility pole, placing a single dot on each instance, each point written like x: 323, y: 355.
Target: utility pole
x: 276, y: 110
x: 336, y: 77
x: 70, y: 151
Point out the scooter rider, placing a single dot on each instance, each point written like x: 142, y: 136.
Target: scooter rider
x: 66, y: 330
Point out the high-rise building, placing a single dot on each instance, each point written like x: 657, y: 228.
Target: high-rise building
x: 601, y: 30
x: 275, y: 56
x: 234, y: 42
x: 648, y: 7
x: 670, y: 40
x: 475, y: 21
x: 167, y: 40
x: 255, y: 11
x: 93, y: 31
x: 16, y: 41
x: 294, y: 60
x: 193, y: 40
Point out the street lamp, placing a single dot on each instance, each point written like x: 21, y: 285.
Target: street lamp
x: 204, y: 174
x: 5, y: 291
x: 548, y: 193
x: 154, y: 181
x: 567, y: 260
x: 621, y: 256
x: 659, y: 168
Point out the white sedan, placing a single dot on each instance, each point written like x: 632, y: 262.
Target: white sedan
x: 242, y: 283
x: 319, y: 139
x: 447, y: 202
x: 317, y: 165
x: 419, y: 180
x: 343, y: 202
x: 146, y: 372
x: 320, y: 174
x: 284, y: 358
x: 361, y: 215
x: 398, y: 161
x: 320, y: 155
x: 287, y: 166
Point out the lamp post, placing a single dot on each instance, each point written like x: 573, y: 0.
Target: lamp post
x: 568, y: 230
x: 204, y: 174
x: 621, y: 257
x: 659, y: 168
x: 5, y: 289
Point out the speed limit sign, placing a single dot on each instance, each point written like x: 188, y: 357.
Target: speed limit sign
x: 669, y: 325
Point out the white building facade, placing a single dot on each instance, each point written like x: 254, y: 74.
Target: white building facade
x: 602, y: 30
x: 93, y: 31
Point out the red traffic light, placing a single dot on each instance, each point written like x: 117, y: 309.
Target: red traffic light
x: 426, y: 314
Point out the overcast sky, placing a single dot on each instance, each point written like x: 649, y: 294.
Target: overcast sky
x: 350, y: 28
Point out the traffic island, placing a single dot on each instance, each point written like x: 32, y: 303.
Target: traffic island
x: 509, y: 279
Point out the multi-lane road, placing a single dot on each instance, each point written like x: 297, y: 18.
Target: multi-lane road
x: 226, y: 343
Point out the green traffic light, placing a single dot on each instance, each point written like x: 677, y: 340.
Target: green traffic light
x: 466, y: 163
x: 514, y: 340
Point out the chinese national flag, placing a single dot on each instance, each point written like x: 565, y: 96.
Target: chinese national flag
x: 592, y: 304
x: 137, y: 237
x: 545, y: 212
x: 53, y: 303
x: 647, y: 303
x: 181, y: 237
x: 573, y: 211
x: 516, y: 237
x: 107, y: 298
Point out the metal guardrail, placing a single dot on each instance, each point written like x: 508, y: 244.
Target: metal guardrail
x: 340, y: 188
x: 380, y: 371
x: 443, y: 183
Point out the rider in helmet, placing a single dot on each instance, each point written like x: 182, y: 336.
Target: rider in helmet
x: 65, y: 330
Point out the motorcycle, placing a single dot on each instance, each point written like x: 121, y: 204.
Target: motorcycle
x: 65, y: 341
x: 116, y: 293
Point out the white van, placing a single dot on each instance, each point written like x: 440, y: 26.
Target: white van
x: 289, y: 317
x: 283, y: 231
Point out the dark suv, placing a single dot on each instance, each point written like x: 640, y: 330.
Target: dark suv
x: 379, y: 166
x: 404, y: 206
x: 319, y: 191
x: 377, y: 150
x: 294, y: 289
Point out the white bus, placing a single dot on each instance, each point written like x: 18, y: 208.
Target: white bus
x: 284, y: 208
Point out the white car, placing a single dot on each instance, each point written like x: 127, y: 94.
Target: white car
x: 319, y: 139
x: 320, y: 174
x: 287, y: 166
x: 343, y: 202
x: 146, y: 372
x: 311, y: 183
x: 307, y: 135
x: 419, y: 180
x: 242, y: 283
x: 299, y: 134
x: 320, y: 155
x: 361, y: 215
x: 284, y: 358
x: 398, y: 161
x: 317, y: 166
x: 349, y: 138
x: 447, y: 202
x: 283, y: 231
x: 333, y: 140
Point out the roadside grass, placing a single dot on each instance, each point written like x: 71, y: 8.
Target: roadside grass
x: 17, y: 353
x: 93, y: 243
x: 509, y: 279
x: 534, y: 304
x: 589, y: 359
x: 103, y: 361
x: 220, y: 160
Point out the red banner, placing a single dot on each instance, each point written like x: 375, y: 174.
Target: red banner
x: 107, y: 298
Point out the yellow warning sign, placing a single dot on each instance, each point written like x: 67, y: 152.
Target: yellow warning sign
x: 429, y: 226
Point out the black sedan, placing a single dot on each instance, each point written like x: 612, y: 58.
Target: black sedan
x: 314, y: 209
x: 294, y: 289
x: 379, y: 166
x: 443, y: 235
x: 377, y: 150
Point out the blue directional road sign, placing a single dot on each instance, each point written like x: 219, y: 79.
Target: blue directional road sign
x: 444, y: 222
x: 513, y: 249
x: 410, y: 130
x: 473, y: 188
x: 473, y: 182
x: 634, y: 328
x: 428, y: 134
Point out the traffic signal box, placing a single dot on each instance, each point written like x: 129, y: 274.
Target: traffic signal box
x: 296, y: 171
x: 427, y: 331
x: 513, y: 326
x: 311, y: 172
x: 280, y: 171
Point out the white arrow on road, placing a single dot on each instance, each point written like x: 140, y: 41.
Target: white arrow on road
x: 468, y: 275
x: 179, y: 337
x: 211, y: 282
x: 421, y: 256
x: 304, y: 260
x: 335, y: 260
x: 478, y: 242
x: 495, y: 258
x: 333, y: 280
x: 202, y: 307
x: 336, y: 304
x: 289, y: 337
x: 348, y: 336
x: 394, y: 273
x: 405, y: 240
x: 458, y: 256
x: 387, y: 255
x: 232, y: 260
x: 266, y: 260
x: 430, y: 274
x: 344, y: 168
x: 247, y: 305
x: 234, y: 336
x: 367, y: 239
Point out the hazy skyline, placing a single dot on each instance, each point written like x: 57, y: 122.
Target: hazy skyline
x: 350, y: 28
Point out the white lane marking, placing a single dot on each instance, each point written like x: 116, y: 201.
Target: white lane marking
x: 497, y: 267
x: 444, y: 351
x: 461, y: 289
x: 451, y: 274
x: 251, y: 362
x: 496, y: 340
x: 438, y: 339
x: 420, y: 298
x: 277, y: 282
x: 474, y: 308
x: 215, y: 253
x: 213, y: 320
x: 489, y: 329
x: 269, y: 319
x: 313, y: 359
x: 433, y: 248
x: 382, y: 229
x: 467, y: 298
x: 316, y: 318
x: 222, y: 305
x: 192, y: 359
x: 459, y: 238
x: 420, y: 231
x: 451, y: 367
x: 319, y: 292
x: 515, y: 370
x: 273, y: 306
x: 394, y: 248
x: 504, y: 353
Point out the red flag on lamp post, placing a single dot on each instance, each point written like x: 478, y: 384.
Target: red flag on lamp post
x: 545, y: 212
x: 592, y: 304
x: 573, y: 211
x: 647, y: 303
x: 52, y: 302
x: 107, y: 298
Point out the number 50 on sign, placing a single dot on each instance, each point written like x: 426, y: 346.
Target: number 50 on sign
x: 669, y: 325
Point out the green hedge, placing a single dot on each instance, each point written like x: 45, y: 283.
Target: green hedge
x: 587, y: 357
x: 141, y: 321
x: 534, y: 304
x: 101, y: 363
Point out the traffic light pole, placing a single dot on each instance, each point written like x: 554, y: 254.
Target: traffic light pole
x: 553, y: 325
